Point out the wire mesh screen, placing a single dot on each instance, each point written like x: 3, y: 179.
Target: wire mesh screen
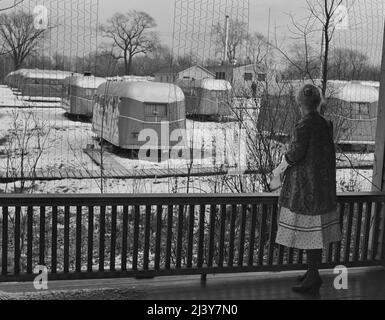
x: 43, y: 146
x: 236, y: 63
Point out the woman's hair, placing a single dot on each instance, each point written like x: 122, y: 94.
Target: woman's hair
x: 310, y: 97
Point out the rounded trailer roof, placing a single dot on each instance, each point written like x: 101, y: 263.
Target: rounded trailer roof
x: 144, y: 91
x: 46, y: 74
x: 87, y: 82
x: 207, y: 84
x: 357, y: 92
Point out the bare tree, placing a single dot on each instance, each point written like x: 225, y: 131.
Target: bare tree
x: 321, y: 22
x: 236, y: 38
x: 24, y: 147
x: 324, y: 11
x: 347, y: 64
x: 131, y: 35
x: 19, y: 36
x: 257, y: 48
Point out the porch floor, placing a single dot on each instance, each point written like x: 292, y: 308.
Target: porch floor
x: 364, y: 283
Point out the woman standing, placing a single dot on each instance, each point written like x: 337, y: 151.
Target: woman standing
x: 308, y: 200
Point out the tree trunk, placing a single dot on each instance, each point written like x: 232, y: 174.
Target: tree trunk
x: 16, y: 63
x: 129, y: 65
x: 325, y: 67
x: 126, y: 67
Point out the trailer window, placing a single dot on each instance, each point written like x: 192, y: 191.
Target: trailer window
x: 248, y: 76
x: 89, y: 93
x: 155, y: 110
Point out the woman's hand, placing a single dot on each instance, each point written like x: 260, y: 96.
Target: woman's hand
x: 276, y: 180
x: 281, y: 168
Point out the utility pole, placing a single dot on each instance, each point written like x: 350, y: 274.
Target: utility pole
x: 227, y: 26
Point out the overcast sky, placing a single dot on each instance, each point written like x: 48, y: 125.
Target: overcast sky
x: 365, y: 31
x: 163, y: 12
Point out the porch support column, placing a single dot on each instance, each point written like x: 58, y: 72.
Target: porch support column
x: 379, y: 159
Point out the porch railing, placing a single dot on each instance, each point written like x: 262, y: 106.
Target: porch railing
x: 104, y: 236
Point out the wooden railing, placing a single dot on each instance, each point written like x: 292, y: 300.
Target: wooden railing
x: 103, y: 236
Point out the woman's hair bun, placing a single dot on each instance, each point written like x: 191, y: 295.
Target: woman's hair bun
x: 308, y: 92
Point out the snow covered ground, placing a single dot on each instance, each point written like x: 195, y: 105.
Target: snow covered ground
x: 62, y: 142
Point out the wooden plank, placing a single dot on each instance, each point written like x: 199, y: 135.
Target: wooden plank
x: 113, y: 238
x: 71, y: 174
x: 190, y: 244
x: 102, y: 233
x: 232, y: 235
x: 222, y: 235
x: 29, y: 240
x: 253, y: 225
x: 300, y: 256
x: 42, y: 237
x: 242, y: 236
x: 273, y: 222
x: 356, y: 255
x: 17, y: 252
x: 147, y: 226
x: 349, y: 232
x: 339, y: 244
x: 368, y: 219
x: 170, y: 213
x: 90, y: 250
x: 160, y: 199
x: 376, y: 229
x: 158, y: 239
x: 202, y: 213
x: 136, y: 238
x: 262, y: 235
x: 329, y: 253
x: 66, y: 238
x: 213, y: 209
x: 54, y: 241
x: 125, y: 238
x: 290, y: 258
x: 4, y: 250
x: 180, y: 238
x: 78, y: 241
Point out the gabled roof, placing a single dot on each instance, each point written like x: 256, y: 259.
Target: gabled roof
x: 199, y: 67
x: 177, y: 69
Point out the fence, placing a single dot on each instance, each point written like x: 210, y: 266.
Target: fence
x: 91, y: 236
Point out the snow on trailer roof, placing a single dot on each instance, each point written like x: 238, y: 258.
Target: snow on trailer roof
x: 130, y: 78
x: 208, y: 84
x: 87, y: 82
x: 46, y: 74
x: 357, y: 92
x: 144, y: 91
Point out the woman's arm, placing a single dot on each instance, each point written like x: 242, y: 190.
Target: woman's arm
x: 300, y: 144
